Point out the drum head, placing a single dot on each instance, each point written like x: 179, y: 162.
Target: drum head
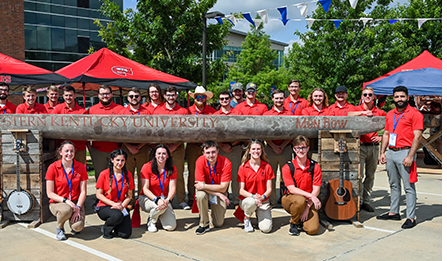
x: 20, y: 202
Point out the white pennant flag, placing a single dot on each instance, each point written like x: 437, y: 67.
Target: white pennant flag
x: 303, y: 8
x: 420, y: 22
x: 365, y: 20
x: 232, y: 19
x: 310, y: 22
x: 257, y: 23
x: 353, y: 3
x: 264, y: 15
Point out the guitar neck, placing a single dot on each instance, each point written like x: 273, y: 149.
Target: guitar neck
x: 341, y: 179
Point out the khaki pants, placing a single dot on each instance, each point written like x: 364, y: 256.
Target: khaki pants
x: 264, y: 213
x: 235, y: 157
x: 178, y: 156
x: 63, y: 212
x: 166, y: 216
x: 369, y: 156
x: 136, y: 162
x: 192, y: 153
x: 217, y: 210
x: 100, y: 160
x: 277, y: 162
x: 295, y: 205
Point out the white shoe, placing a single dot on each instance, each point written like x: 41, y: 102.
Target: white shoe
x: 185, y: 206
x: 247, y: 225
x: 152, y: 227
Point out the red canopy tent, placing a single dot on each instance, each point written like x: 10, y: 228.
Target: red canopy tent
x: 107, y: 67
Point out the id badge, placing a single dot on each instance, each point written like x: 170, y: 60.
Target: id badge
x: 124, y: 211
x: 213, y: 199
x: 162, y: 196
x: 393, y: 138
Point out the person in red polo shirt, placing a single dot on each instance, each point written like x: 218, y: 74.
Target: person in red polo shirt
x: 318, y: 102
x: 70, y: 106
x: 369, y: 148
x: 154, y: 99
x: 237, y: 91
x: 177, y: 150
x: 100, y: 150
x: 294, y: 103
x: 251, y: 106
x: 30, y: 106
x: 301, y: 199
x: 278, y: 151
x: 53, y: 96
x: 403, y: 132
x: 213, y: 175
x: 5, y: 106
x: 137, y: 153
x: 194, y: 150
x: 255, y: 180
x: 341, y: 107
x: 66, y: 181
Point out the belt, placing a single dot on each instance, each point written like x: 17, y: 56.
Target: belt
x: 369, y: 144
x: 398, y: 149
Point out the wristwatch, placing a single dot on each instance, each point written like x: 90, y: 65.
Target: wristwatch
x: 64, y: 200
x: 156, y: 200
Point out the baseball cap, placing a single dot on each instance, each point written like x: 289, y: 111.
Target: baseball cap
x: 238, y: 86
x: 251, y: 86
x: 341, y: 88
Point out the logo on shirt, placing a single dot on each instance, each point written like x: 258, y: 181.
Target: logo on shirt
x: 122, y: 70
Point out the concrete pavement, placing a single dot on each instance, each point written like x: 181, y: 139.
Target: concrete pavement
x: 378, y: 240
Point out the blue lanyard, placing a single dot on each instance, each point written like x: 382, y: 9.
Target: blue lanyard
x: 118, y: 191
x: 159, y: 181
x: 214, y: 172
x: 4, y: 110
x: 395, y: 123
x: 293, y: 110
x: 69, y: 181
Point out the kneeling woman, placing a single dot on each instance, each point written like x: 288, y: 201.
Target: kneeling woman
x: 158, y: 177
x: 67, y: 190
x: 114, y: 191
x: 255, y: 186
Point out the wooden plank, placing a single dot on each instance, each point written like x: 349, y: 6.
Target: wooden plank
x: 4, y: 223
x: 23, y: 158
x: 34, y: 224
x: 329, y: 175
x: 27, y: 181
x: 49, y: 156
x: 357, y: 224
x: 24, y: 168
x: 31, y: 148
x: 31, y: 216
x: 326, y: 224
x: 325, y: 134
x: 350, y: 156
x: 335, y: 166
x: 329, y: 144
x: 32, y: 136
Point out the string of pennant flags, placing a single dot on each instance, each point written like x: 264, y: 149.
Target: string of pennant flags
x: 303, y: 7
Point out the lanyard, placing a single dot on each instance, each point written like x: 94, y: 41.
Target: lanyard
x: 69, y: 181
x: 395, y: 123
x: 292, y: 109
x: 162, y: 185
x: 118, y: 191
x: 4, y: 110
x: 214, y: 172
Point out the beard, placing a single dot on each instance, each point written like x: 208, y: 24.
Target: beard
x: 404, y: 104
x: 201, y: 105
x: 3, y: 97
x: 106, y: 103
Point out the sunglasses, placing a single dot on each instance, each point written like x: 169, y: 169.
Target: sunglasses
x: 257, y: 140
x: 200, y: 97
x: 368, y: 94
x: 251, y: 91
x: 224, y: 98
x: 134, y: 96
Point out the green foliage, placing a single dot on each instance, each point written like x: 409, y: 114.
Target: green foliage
x: 165, y: 35
x: 353, y: 54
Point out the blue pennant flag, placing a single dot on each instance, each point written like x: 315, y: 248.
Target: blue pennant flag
x: 337, y: 23
x: 326, y: 4
x: 248, y: 17
x: 283, y: 12
x: 231, y: 22
x: 392, y: 21
x: 219, y: 20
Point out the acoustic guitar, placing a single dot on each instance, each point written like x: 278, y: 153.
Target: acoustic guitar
x: 339, y: 202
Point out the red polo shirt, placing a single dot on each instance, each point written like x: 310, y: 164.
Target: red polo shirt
x: 154, y: 180
x: 25, y: 109
x: 99, y: 109
x: 177, y: 110
x: 297, y: 106
x: 104, y: 184
x: 128, y: 111
x: 274, y: 112
x: 49, y: 108
x: 9, y: 108
x: 407, y: 121
x: 150, y: 107
x: 208, y: 110
x: 256, y: 109
x: 55, y: 172
x: 312, y: 111
x: 62, y: 108
x: 376, y: 112
x: 255, y: 181
x: 221, y: 174
x: 231, y: 112
x: 335, y: 110
x: 302, y: 177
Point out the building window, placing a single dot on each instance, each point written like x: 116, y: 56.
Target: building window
x: 58, y: 39
x: 30, y: 37
x: 84, y: 3
x: 83, y: 44
x: 43, y: 38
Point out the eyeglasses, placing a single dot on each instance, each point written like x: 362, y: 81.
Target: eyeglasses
x: 105, y: 94
x: 134, y: 96
x: 368, y: 94
x: 200, y: 97
x: 300, y: 148
x: 170, y: 95
x: 224, y: 98
x: 4, y: 90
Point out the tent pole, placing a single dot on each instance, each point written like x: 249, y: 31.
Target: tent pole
x: 121, y: 96
x: 83, y: 93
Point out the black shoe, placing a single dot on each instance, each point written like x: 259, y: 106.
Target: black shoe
x: 367, y: 207
x: 202, y: 230
x: 387, y: 216
x: 409, y: 224
x: 300, y: 227
x: 293, y: 231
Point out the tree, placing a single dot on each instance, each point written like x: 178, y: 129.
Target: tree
x: 354, y: 53
x: 165, y: 35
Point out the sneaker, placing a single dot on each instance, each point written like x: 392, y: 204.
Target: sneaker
x: 104, y: 235
x: 152, y: 227
x: 60, y: 234
x: 201, y: 230
x: 185, y: 206
x: 247, y: 225
x: 409, y: 224
x: 293, y: 231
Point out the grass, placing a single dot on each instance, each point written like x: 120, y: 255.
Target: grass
x: 90, y: 172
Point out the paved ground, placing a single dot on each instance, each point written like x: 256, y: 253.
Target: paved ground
x: 378, y: 240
